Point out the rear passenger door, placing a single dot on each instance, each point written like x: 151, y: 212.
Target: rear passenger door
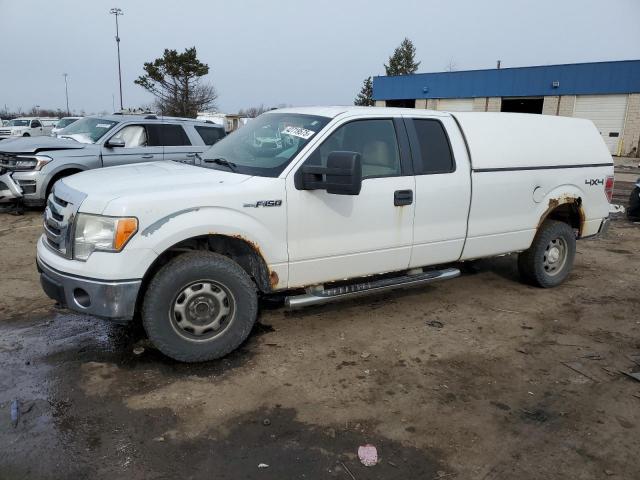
x: 443, y: 189
x: 176, y: 143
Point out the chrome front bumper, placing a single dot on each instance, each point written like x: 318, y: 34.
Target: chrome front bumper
x: 9, y: 189
x: 113, y: 300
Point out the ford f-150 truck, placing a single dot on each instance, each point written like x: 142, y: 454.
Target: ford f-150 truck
x: 27, y: 127
x: 343, y: 201
x: 29, y: 167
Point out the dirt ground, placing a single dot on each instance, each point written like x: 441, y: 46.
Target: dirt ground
x: 479, y: 378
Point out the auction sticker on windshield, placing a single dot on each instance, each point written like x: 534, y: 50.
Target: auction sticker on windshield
x: 299, y: 132
x: 103, y: 125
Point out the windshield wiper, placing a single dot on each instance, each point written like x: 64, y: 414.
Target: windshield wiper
x: 222, y: 161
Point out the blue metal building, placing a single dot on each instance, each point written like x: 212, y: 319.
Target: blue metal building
x: 608, y: 93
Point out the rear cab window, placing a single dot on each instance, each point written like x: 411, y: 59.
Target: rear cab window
x: 430, y: 146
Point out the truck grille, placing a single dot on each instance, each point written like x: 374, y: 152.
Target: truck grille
x: 7, y: 159
x: 5, y: 132
x: 62, y: 206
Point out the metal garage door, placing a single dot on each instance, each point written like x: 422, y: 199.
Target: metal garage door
x: 455, y: 104
x: 607, y: 112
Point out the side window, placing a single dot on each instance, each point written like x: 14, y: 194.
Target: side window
x: 35, y: 124
x: 374, y: 140
x: 210, y: 135
x: 133, y: 136
x: 434, y: 155
x: 173, y: 135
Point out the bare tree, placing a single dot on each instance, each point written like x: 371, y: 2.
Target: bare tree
x: 452, y: 66
x: 253, y: 112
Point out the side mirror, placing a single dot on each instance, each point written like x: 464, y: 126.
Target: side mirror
x: 115, y: 143
x: 341, y: 176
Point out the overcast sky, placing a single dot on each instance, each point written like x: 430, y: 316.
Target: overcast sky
x: 286, y: 51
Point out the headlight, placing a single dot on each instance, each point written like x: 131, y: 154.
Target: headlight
x: 35, y: 162
x: 95, y: 233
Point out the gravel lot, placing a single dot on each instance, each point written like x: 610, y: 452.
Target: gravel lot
x: 481, y: 377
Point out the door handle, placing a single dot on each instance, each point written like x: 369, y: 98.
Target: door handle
x: 148, y: 155
x: 402, y: 197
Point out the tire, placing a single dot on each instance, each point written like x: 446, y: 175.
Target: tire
x: 200, y: 306
x: 57, y: 177
x: 26, y: 135
x: 549, y: 260
x: 633, y: 212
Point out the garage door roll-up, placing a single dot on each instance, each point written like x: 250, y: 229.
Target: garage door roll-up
x: 607, y: 112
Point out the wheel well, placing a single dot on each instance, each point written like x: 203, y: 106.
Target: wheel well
x: 58, y: 176
x: 242, y: 251
x: 570, y: 212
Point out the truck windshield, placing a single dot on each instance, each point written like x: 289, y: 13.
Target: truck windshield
x: 88, y: 129
x: 266, y: 145
x: 19, y: 123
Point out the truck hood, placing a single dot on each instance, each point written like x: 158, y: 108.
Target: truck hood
x: 39, y: 144
x: 144, y: 180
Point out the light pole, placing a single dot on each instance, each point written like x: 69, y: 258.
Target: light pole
x: 117, y: 12
x: 66, y: 92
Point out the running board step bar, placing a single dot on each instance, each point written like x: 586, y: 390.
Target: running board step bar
x: 318, y: 296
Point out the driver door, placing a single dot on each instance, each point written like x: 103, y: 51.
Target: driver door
x: 139, y: 147
x: 335, y: 237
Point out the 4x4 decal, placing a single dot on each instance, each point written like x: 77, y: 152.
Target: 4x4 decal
x: 594, y: 182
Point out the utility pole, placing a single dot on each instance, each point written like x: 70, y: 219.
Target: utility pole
x: 117, y: 12
x: 499, y: 63
x: 66, y: 92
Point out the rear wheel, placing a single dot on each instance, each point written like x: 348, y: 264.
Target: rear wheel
x: 548, y: 262
x: 200, y: 306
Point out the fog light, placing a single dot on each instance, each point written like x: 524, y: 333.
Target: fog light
x: 81, y: 297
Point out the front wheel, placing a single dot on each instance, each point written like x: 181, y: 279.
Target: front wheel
x: 548, y: 261
x: 200, y: 306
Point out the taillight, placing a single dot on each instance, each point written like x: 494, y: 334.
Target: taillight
x: 608, y: 188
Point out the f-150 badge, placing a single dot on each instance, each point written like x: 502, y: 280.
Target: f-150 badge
x: 264, y: 203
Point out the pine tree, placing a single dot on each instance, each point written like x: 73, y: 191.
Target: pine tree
x: 402, y: 62
x: 175, y: 79
x: 365, y: 97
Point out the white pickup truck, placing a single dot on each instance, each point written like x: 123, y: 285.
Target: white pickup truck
x: 27, y: 127
x: 344, y: 201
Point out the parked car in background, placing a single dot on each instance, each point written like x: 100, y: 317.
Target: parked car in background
x: 344, y: 201
x: 30, y: 166
x: 27, y: 127
x: 62, y: 123
x: 633, y: 212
